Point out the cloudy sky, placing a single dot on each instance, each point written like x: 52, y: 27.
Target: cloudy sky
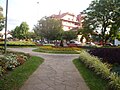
x: 31, y: 11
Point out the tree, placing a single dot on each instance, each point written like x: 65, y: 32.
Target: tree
x: 1, y: 19
x: 86, y: 33
x: 49, y: 28
x: 21, y: 31
x: 15, y: 32
x: 31, y: 35
x: 103, y: 15
x: 69, y: 35
x: 118, y: 36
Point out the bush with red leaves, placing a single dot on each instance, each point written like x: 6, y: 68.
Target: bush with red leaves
x: 110, y: 55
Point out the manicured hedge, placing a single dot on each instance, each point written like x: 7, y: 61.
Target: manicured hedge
x: 18, y: 43
x: 110, y: 55
x: 101, y: 69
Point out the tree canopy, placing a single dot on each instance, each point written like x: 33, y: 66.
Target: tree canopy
x: 49, y: 28
x: 21, y: 31
x: 69, y: 35
x: 31, y: 35
x: 102, y: 16
x: 1, y: 19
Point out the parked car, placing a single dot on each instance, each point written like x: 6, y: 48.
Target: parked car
x: 90, y: 44
x: 109, y: 44
x: 73, y: 43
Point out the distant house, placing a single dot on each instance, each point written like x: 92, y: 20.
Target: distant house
x: 2, y: 34
x: 69, y: 21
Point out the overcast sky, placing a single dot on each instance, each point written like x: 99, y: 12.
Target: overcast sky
x: 31, y: 11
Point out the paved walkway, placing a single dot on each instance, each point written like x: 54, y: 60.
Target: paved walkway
x: 56, y: 73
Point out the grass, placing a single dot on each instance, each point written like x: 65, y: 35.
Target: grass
x: 16, y: 78
x: 58, y: 50
x: 93, y: 81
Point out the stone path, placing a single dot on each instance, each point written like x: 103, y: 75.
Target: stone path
x: 56, y: 73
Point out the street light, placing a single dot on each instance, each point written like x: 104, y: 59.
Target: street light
x: 6, y: 26
x: 38, y: 10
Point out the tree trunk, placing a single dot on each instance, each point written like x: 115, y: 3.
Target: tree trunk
x: 61, y: 43
x: 56, y: 43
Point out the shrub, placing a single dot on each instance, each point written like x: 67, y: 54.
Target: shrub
x: 95, y: 64
x: 110, y: 55
x: 102, y: 69
x: 19, y: 43
x: 116, y: 68
x: 10, y: 61
x: 0, y: 70
x: 114, y: 81
x: 2, y: 66
x: 21, y: 59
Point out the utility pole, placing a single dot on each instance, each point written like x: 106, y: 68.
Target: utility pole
x: 6, y: 27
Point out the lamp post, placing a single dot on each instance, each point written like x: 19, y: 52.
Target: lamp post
x: 6, y: 26
x: 38, y: 10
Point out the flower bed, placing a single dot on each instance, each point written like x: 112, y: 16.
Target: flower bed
x: 11, y: 61
x: 18, y: 43
x: 102, y: 69
x: 58, y: 50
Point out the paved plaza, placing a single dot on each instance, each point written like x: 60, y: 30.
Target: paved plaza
x: 57, y: 72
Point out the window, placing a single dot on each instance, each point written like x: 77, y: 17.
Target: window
x: 68, y: 18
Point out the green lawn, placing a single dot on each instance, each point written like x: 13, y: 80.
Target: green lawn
x: 93, y: 81
x: 16, y: 78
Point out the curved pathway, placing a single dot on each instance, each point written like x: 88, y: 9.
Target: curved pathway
x: 56, y: 73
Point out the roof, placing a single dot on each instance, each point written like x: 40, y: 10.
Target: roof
x: 62, y: 15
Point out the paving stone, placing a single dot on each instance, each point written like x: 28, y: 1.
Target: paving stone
x: 33, y: 80
x: 50, y: 88
x: 70, y: 88
x: 56, y: 73
x: 59, y: 87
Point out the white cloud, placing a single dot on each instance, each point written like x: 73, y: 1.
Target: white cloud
x: 30, y: 11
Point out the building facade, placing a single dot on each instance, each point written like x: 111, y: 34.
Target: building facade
x: 69, y: 21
